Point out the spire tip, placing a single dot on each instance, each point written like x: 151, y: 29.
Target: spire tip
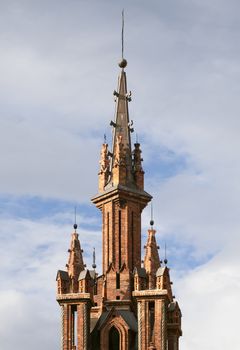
x: 75, y: 226
x: 123, y: 63
x: 165, y: 259
x: 151, y: 221
x: 94, y: 260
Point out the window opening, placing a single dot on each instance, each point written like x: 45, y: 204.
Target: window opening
x: 151, y: 307
x: 114, y: 339
x: 117, y: 280
x: 119, y: 237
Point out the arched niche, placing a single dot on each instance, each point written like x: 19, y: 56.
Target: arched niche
x: 114, y: 339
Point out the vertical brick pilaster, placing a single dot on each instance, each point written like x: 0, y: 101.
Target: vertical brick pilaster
x: 159, y: 325
x: 164, y: 326
x: 142, y: 325
x: 83, y: 326
x: 173, y: 342
x: 66, y: 327
x: 112, y: 234
x: 62, y: 327
x: 136, y: 236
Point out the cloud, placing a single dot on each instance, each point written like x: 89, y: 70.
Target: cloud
x: 58, y: 69
x: 209, y: 296
x: 31, y: 253
x: 33, y: 317
x: 34, y: 164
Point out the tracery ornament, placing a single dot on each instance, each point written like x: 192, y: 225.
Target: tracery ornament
x: 119, y: 159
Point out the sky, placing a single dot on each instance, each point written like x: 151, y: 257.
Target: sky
x: 58, y: 69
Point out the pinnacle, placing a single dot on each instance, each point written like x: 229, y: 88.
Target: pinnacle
x: 75, y: 261
x: 151, y: 259
x: 121, y: 164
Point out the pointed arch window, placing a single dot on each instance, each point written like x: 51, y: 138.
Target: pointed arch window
x: 114, y: 339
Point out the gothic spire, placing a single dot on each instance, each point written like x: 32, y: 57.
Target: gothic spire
x: 121, y: 164
x: 75, y: 261
x: 151, y: 259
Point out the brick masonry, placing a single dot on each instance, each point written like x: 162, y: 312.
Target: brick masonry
x: 131, y: 305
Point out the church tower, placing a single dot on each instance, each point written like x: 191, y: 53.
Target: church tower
x: 130, y: 306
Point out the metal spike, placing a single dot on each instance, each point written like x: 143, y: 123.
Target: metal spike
x: 122, y: 33
x: 94, y: 260
x: 165, y: 259
x: 151, y: 221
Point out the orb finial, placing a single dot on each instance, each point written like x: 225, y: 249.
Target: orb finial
x: 165, y: 259
x: 75, y: 226
x: 123, y: 63
x: 151, y: 221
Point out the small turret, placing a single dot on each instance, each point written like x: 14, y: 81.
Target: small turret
x: 140, y: 278
x: 104, y: 172
x: 137, y: 166
x: 174, y: 317
x: 86, y: 282
x: 163, y: 281
x: 63, y: 282
x: 75, y: 261
x: 151, y: 259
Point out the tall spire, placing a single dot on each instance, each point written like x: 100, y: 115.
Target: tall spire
x: 121, y: 168
x: 121, y: 165
x: 127, y: 306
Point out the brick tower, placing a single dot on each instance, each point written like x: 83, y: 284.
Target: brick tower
x: 130, y: 305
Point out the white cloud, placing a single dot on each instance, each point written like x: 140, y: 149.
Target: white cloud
x: 31, y: 253
x: 209, y: 297
x: 32, y: 317
x: 57, y: 71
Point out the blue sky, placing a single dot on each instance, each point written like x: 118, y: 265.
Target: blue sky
x: 58, y: 69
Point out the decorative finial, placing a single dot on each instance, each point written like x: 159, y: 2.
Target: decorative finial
x: 105, y: 138
x: 94, y: 260
x: 75, y: 226
x: 123, y: 63
x: 151, y: 221
x: 165, y: 259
